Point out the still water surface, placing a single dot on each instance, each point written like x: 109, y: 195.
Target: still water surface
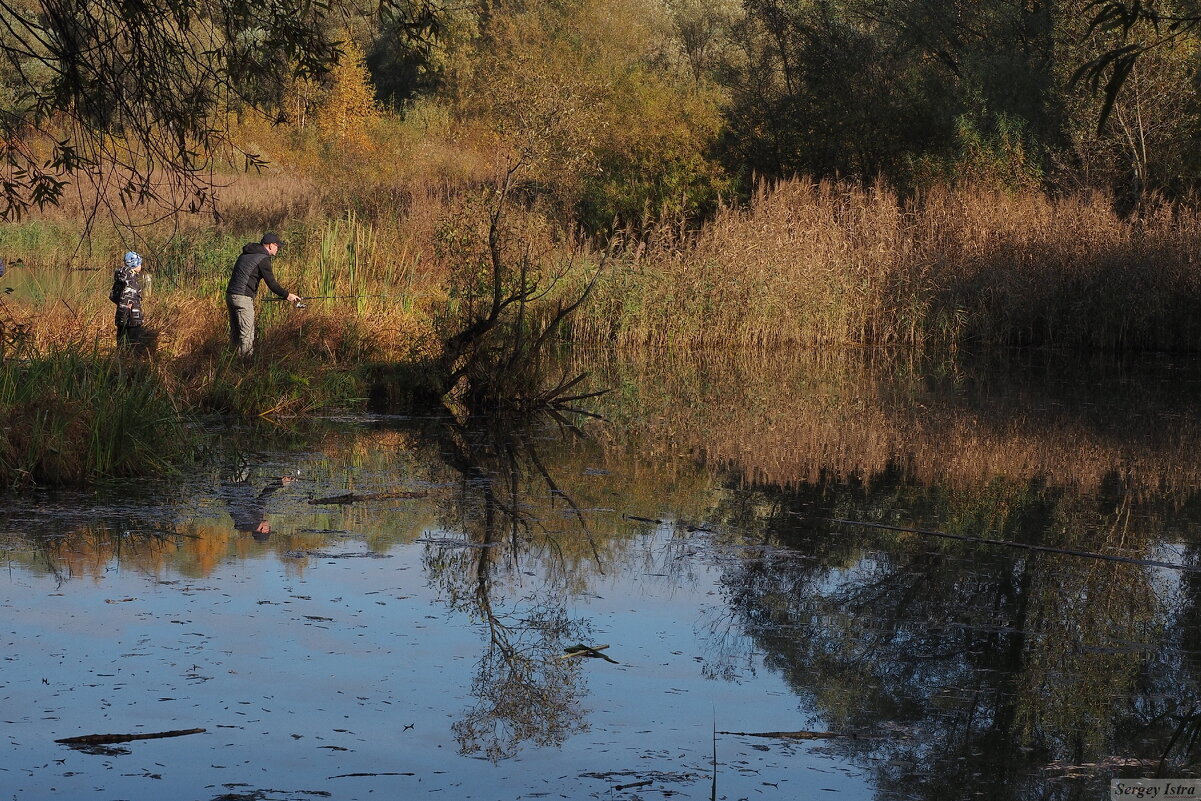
x: 410, y: 639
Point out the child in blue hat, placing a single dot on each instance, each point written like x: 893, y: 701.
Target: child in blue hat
x: 127, y: 294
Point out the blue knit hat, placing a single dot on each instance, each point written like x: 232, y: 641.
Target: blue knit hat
x: 132, y: 260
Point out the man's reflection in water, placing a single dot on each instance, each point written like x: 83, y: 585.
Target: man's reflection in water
x: 248, y: 508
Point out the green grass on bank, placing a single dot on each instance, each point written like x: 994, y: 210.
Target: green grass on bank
x: 73, y: 415
x: 69, y: 416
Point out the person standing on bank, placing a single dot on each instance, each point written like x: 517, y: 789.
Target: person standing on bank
x: 127, y: 294
x: 252, y: 266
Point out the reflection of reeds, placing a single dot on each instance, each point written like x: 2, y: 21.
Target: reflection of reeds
x: 90, y: 551
x: 812, y: 419
x: 679, y: 431
x: 200, y: 546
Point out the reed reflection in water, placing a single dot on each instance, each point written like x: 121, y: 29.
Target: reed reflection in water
x: 1000, y: 667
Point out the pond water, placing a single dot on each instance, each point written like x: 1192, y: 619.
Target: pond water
x: 402, y: 627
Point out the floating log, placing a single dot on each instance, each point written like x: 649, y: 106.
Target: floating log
x: 107, y: 739
x: 644, y: 783
x: 587, y: 650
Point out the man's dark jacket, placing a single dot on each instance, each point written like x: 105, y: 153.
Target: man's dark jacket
x: 252, y: 266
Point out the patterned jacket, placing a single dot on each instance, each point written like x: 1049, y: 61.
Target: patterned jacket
x: 127, y: 294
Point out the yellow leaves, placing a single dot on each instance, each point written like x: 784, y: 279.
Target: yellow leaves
x: 347, y: 111
x: 591, y: 95
x: 575, y: 74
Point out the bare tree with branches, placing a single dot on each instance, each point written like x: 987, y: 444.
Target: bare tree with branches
x: 510, y: 317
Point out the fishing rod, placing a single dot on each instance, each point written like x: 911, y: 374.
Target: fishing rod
x: 300, y: 304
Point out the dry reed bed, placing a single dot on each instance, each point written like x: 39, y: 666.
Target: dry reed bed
x: 812, y: 264
x: 826, y: 263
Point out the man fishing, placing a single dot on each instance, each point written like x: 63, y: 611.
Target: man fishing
x: 252, y: 266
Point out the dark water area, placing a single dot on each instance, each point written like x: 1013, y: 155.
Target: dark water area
x: 856, y: 577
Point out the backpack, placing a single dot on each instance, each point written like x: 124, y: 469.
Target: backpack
x: 118, y: 289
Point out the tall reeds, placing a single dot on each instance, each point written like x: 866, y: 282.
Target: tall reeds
x: 823, y: 263
x: 811, y: 264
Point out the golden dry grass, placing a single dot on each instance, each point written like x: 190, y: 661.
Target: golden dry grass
x: 824, y: 263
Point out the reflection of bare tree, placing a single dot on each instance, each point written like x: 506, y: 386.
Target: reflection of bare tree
x: 731, y: 652
x: 524, y: 690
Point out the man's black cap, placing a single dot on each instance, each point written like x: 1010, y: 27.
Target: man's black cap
x: 271, y: 239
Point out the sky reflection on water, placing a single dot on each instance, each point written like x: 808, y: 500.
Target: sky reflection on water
x: 357, y: 667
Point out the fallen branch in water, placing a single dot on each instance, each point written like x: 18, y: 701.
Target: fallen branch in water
x: 1011, y: 544
x: 106, y: 739
x: 645, y: 783
x: 587, y: 650
x: 351, y: 497
x: 356, y: 775
x: 447, y: 542
x: 302, y: 554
